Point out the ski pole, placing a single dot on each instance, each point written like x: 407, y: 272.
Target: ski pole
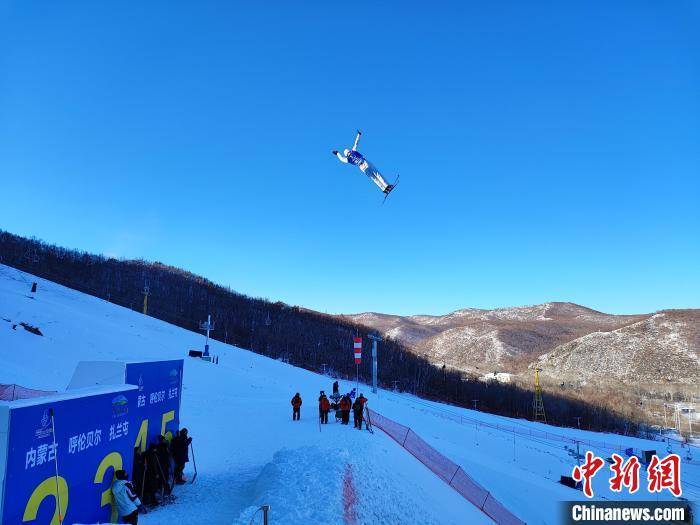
x: 55, y: 461
x: 143, y: 476
x: 165, y: 480
x: 194, y: 463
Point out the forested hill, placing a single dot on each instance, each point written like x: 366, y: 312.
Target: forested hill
x: 299, y: 336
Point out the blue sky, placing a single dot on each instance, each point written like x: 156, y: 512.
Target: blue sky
x: 547, y: 150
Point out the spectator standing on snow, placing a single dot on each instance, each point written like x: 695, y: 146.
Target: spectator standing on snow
x: 335, y: 387
x: 362, y: 399
x: 139, y: 471
x: 125, y: 498
x: 180, y: 448
x: 296, y: 407
x: 153, y: 480
x: 345, y: 409
x: 323, y: 407
x: 163, y: 453
x: 357, y: 413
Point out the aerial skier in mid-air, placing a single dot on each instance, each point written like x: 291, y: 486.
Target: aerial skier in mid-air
x: 354, y: 157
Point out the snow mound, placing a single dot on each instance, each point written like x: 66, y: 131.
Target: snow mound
x: 302, y: 485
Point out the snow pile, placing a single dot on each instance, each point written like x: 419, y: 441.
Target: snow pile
x: 302, y: 486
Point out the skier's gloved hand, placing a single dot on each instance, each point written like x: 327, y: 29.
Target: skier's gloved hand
x: 335, y: 152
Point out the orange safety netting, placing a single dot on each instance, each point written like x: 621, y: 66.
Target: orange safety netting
x: 445, y: 469
x: 14, y: 392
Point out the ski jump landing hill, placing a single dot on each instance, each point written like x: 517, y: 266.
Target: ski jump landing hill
x: 249, y: 451
x: 59, y: 451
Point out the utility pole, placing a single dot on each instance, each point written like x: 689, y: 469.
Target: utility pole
x: 476, y: 426
x: 208, y: 327
x: 324, y: 365
x: 537, y: 402
x: 146, y: 292
x: 578, y: 421
x: 665, y: 423
x: 690, y: 425
x: 578, y: 454
x: 375, y: 339
x: 395, y: 383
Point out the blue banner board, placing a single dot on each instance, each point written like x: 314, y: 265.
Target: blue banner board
x: 96, y: 432
x: 158, y: 401
x: 94, y: 437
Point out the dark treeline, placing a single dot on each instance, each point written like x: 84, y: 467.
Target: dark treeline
x: 298, y: 336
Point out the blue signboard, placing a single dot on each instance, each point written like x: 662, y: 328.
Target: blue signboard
x: 94, y: 437
x: 157, y: 409
x: 95, y: 434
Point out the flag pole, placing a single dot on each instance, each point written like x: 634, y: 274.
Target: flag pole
x: 55, y: 463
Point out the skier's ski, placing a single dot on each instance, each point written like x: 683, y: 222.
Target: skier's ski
x: 368, y: 421
x: 391, y: 188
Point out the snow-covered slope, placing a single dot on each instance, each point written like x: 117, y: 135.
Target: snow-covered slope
x: 249, y: 452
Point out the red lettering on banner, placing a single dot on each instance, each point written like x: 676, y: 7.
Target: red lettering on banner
x: 586, y: 472
x: 625, y: 474
x: 665, y: 474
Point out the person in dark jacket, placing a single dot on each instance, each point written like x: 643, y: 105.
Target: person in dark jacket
x: 345, y: 409
x: 180, y: 449
x: 153, y: 479
x: 323, y: 407
x: 357, y: 407
x: 163, y: 453
x: 139, y: 471
x: 335, y: 387
x: 296, y: 407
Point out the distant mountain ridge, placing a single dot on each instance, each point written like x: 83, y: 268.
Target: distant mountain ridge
x: 664, y: 348
x: 565, y: 339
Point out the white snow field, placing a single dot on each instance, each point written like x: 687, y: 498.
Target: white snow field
x: 249, y: 452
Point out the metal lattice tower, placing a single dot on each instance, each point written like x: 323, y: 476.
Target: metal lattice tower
x: 537, y: 403
x: 146, y: 292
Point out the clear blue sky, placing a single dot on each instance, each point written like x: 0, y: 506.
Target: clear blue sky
x: 547, y: 150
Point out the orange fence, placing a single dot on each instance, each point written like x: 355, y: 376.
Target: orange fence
x: 445, y: 469
x: 14, y: 392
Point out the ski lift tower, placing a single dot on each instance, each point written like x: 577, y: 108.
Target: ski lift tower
x: 375, y: 339
x: 538, y: 403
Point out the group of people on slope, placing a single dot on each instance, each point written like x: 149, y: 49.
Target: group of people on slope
x: 344, y: 405
x: 156, y: 471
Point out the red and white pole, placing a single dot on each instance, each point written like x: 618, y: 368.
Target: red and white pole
x: 357, y: 349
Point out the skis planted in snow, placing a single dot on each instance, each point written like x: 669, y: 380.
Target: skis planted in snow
x: 368, y: 421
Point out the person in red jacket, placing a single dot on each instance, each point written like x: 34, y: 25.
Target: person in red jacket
x: 323, y: 407
x: 296, y: 407
x: 345, y: 408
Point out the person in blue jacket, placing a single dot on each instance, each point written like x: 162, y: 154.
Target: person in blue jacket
x: 354, y: 157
